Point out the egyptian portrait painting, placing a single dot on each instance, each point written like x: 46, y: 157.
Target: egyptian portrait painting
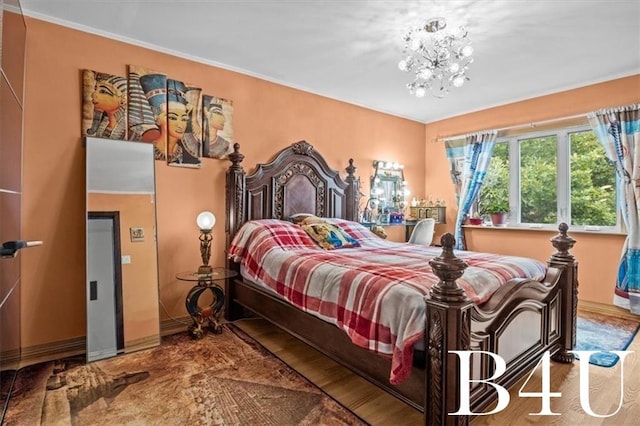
x: 217, y: 139
x: 181, y: 122
x: 174, y: 123
x: 141, y: 121
x: 104, y: 105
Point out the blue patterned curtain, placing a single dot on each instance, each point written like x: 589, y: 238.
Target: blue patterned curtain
x: 469, y: 159
x: 618, y: 130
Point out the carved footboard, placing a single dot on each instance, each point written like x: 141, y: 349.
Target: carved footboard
x: 522, y: 320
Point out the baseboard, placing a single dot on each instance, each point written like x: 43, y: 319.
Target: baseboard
x: 53, y: 351
x: 606, y: 309
x: 141, y: 344
x: 174, y: 325
x: 77, y: 346
x: 10, y: 359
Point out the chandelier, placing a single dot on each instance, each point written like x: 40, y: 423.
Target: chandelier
x: 438, y: 59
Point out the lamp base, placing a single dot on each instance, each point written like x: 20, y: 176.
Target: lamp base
x: 205, y: 270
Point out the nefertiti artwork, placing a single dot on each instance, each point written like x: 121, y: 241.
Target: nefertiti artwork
x: 104, y: 105
x: 184, y: 124
x: 217, y: 140
x: 142, y: 123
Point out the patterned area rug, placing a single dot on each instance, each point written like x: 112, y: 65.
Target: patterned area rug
x: 225, y: 379
x: 604, y: 333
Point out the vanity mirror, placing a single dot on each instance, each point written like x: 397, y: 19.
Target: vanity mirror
x: 388, y: 189
x: 122, y: 266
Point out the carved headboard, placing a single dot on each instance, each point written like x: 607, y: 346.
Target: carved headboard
x: 297, y: 180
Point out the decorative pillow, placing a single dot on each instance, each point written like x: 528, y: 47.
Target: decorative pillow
x: 356, y: 230
x: 298, y: 218
x: 329, y: 236
x: 310, y: 220
x: 379, y: 231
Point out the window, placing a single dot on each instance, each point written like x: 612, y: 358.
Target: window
x: 550, y: 177
x: 593, y: 182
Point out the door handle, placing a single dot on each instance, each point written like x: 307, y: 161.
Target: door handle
x: 10, y: 248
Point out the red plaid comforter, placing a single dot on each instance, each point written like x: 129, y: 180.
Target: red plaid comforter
x: 375, y: 292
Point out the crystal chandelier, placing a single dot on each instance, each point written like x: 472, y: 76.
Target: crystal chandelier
x: 437, y: 58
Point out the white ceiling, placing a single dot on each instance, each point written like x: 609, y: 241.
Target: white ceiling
x: 349, y: 49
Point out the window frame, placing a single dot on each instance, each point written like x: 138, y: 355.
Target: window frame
x: 563, y: 180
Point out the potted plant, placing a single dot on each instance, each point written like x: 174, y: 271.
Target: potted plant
x: 475, y: 219
x: 494, y: 202
x: 498, y: 212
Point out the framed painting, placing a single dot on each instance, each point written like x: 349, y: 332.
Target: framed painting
x: 104, y: 105
x: 184, y: 125
x: 137, y: 234
x: 217, y: 139
x: 142, y: 113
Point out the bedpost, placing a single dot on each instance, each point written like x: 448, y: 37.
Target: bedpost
x: 234, y: 194
x: 569, y: 307
x: 448, y: 329
x: 352, y: 193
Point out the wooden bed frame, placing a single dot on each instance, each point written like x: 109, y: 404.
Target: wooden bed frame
x: 520, y: 322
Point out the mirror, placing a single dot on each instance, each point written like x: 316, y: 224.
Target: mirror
x: 388, y: 189
x: 122, y: 264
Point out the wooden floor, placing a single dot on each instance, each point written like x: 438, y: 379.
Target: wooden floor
x: 379, y: 408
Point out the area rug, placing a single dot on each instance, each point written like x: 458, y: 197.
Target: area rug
x: 225, y: 379
x: 604, y: 333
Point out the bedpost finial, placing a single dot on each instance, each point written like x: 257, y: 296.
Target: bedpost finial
x: 351, y: 169
x: 563, y: 228
x: 448, y: 267
x: 563, y: 243
x: 447, y: 241
x: 236, y: 157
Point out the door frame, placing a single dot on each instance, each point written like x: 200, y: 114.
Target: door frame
x: 114, y: 216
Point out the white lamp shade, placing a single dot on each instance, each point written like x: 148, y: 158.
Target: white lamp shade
x: 206, y: 221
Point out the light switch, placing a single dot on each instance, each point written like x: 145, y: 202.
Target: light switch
x: 126, y: 260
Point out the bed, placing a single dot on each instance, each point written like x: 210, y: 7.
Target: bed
x: 520, y: 319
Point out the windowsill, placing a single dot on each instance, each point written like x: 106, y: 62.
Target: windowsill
x: 544, y: 229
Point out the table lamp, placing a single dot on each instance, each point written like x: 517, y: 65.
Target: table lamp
x: 205, y: 221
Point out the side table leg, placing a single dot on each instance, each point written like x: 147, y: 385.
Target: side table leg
x: 191, y: 303
x: 216, y: 308
x: 209, y: 314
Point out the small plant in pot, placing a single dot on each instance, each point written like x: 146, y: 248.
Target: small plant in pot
x: 475, y: 219
x: 498, y: 213
x: 494, y: 202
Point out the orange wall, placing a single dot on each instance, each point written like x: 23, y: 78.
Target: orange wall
x: 598, y: 254
x: 267, y: 117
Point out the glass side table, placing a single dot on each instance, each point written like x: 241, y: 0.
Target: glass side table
x: 209, y: 315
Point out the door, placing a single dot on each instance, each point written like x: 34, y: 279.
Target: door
x: 104, y: 289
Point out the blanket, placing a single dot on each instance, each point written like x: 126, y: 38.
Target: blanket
x: 375, y: 292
